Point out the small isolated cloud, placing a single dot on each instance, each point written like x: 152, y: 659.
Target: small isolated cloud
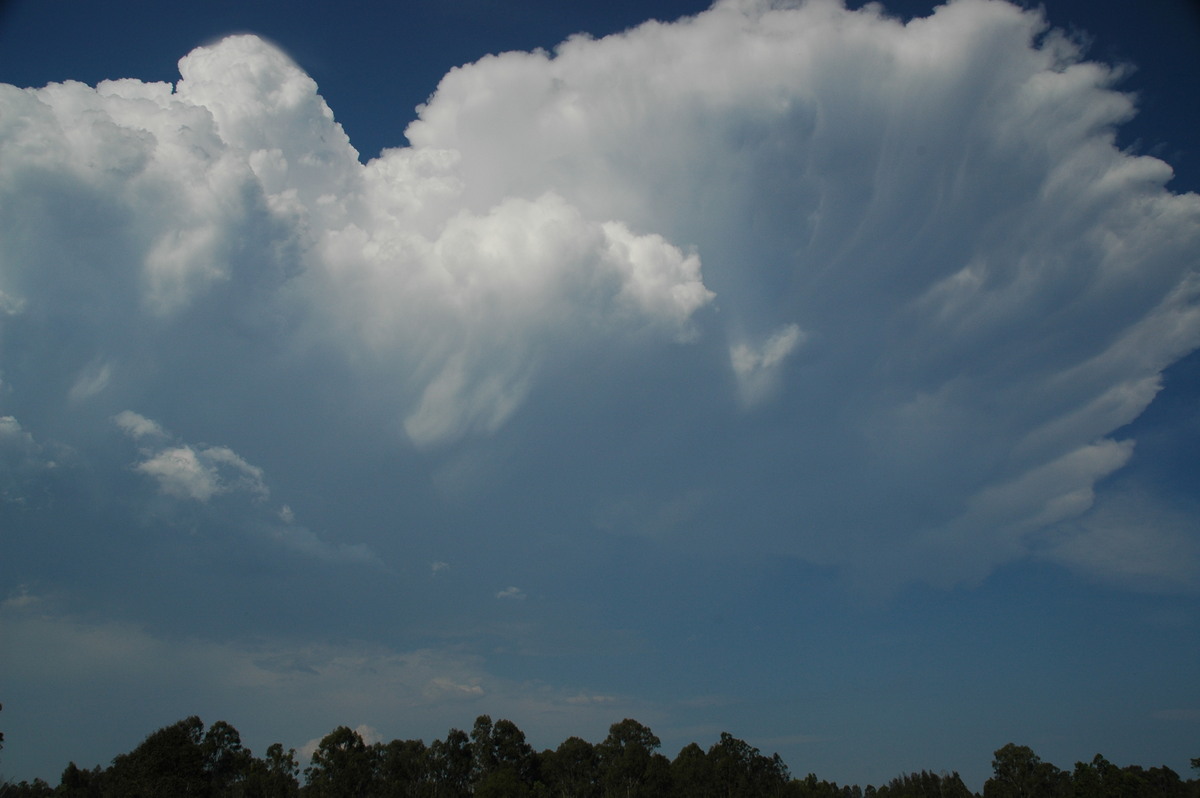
x: 187, y: 472
x: 199, y: 473
x: 91, y: 381
x: 512, y: 593
x: 707, y: 701
x: 138, y: 427
x: 443, y: 688
x: 589, y: 699
x: 438, y: 567
x: 757, y: 368
x: 304, y: 541
x: 21, y: 600
x: 23, y: 461
x: 9, y: 305
x: 16, y: 445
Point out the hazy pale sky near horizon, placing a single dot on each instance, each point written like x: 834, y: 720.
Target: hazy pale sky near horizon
x: 820, y: 374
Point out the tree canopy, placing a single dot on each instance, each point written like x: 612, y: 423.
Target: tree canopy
x: 495, y: 761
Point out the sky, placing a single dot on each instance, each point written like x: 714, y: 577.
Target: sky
x: 822, y: 374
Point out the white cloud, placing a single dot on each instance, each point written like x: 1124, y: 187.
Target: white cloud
x: 200, y: 473
x: 492, y: 291
x: 997, y: 522
x: 442, y: 688
x: 757, y: 369
x: 1131, y: 540
x: 983, y: 287
x: 91, y: 381
x: 188, y: 472
x: 21, y: 600
x: 14, y: 438
x: 913, y: 250
x: 587, y: 699
x: 10, y: 305
x: 145, y: 151
x: 239, y: 174
x: 138, y: 427
x: 180, y: 473
x: 22, y: 461
x: 305, y: 541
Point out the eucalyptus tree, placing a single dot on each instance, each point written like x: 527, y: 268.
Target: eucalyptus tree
x: 630, y: 766
x: 343, y: 766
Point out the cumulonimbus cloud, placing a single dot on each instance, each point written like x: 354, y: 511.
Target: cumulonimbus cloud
x: 239, y: 174
x: 988, y: 288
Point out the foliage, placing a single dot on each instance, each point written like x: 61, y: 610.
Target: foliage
x: 343, y: 766
x: 629, y: 764
x: 168, y: 763
x: 186, y: 760
x: 1019, y: 773
x: 573, y: 769
x: 503, y: 764
x: 739, y: 770
x: 925, y: 785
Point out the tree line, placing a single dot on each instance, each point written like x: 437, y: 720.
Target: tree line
x: 494, y: 761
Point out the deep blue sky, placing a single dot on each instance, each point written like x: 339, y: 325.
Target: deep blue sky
x: 295, y: 443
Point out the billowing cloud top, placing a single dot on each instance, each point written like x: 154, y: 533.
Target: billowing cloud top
x: 932, y: 287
